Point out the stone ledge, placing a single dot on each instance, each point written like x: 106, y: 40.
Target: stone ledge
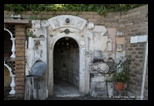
x: 16, y: 21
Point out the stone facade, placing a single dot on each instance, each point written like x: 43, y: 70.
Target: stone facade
x: 117, y: 28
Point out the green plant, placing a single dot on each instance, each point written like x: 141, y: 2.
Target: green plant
x: 30, y: 34
x: 99, y: 8
x: 122, y: 72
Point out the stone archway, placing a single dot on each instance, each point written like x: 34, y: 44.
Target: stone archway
x: 72, y: 27
x: 89, y: 38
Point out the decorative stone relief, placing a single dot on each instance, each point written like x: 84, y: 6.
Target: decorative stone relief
x: 100, y: 29
x: 103, y: 68
x: 100, y: 43
x: 119, y: 34
x: 60, y: 21
x: 97, y: 55
x: 109, y: 45
x: 112, y: 65
x: 90, y: 25
x: 31, y: 32
x: 36, y: 24
x: 41, y: 31
x: 119, y: 47
x: 44, y: 23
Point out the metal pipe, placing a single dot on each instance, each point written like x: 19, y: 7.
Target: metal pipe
x: 144, y: 72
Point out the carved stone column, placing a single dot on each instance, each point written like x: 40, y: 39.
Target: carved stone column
x: 12, y: 85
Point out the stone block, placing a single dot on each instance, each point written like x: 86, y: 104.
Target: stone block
x: 112, y: 33
x: 120, y: 40
x: 119, y: 54
x: 119, y: 48
x: 98, y: 79
x: 36, y: 24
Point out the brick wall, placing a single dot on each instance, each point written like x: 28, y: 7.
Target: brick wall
x: 131, y: 23
x: 137, y: 26
x: 20, y: 59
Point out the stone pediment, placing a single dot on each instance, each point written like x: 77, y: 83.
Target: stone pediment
x: 67, y: 21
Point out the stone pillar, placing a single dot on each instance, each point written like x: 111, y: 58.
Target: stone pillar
x: 20, y: 59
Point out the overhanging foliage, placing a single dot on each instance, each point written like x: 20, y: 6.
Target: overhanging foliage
x: 99, y: 8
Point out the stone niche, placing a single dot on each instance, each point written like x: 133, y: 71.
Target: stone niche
x: 75, y: 51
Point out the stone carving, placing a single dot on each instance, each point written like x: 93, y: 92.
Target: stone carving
x: 44, y: 23
x: 103, y: 68
x: 100, y: 29
x: 119, y: 47
x: 97, y: 55
x: 59, y: 21
x: 90, y: 25
x: 112, y: 65
x: 56, y: 23
x: 36, y: 24
x: 109, y: 45
x: 67, y: 20
x: 119, y: 34
x: 79, y: 24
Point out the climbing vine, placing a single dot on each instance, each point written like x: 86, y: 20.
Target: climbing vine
x: 99, y: 8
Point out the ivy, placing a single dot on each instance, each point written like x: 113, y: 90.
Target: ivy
x: 99, y: 8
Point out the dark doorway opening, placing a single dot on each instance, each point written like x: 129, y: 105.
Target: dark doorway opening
x: 66, y: 66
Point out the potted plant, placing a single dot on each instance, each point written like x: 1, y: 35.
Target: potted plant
x: 120, y: 77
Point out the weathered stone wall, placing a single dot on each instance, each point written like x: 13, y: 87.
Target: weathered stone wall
x: 131, y: 23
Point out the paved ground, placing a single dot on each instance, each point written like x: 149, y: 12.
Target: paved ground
x: 66, y: 91
x: 83, y: 98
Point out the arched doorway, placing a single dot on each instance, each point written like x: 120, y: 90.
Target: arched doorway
x: 66, y: 67
x: 58, y: 30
